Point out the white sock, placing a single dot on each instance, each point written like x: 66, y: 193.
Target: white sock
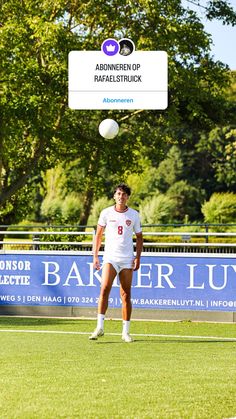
x: 126, y: 325
x: 100, y: 321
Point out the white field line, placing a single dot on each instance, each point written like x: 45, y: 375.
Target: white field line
x: 56, y: 332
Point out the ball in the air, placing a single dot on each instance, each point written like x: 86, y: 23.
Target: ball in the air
x: 108, y: 128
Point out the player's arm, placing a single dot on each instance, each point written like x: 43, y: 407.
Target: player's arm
x: 139, y: 248
x: 96, y: 246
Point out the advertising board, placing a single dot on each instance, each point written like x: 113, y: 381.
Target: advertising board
x: 164, y: 281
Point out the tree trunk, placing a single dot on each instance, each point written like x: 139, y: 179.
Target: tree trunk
x: 88, y: 201
x: 92, y: 173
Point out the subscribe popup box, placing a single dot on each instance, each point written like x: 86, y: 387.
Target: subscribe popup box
x: 137, y: 81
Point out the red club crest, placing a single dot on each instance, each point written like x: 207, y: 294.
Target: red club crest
x: 128, y: 222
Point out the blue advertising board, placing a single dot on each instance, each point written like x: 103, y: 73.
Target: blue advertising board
x: 164, y: 281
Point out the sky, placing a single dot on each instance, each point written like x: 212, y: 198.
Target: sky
x: 223, y: 36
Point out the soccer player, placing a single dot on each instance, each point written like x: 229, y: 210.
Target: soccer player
x: 119, y: 222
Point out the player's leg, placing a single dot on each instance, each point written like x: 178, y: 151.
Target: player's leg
x: 125, y: 293
x: 108, y: 275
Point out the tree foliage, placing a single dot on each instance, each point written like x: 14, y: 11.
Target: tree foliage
x: 220, y: 150
x: 187, y: 199
x: 38, y: 131
x: 170, y: 170
x: 158, y: 209
x: 220, y: 9
x: 97, y: 207
x: 221, y: 208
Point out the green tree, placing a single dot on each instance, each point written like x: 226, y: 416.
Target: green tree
x: 97, y: 207
x: 221, y: 208
x: 51, y: 209
x: 158, y: 209
x: 187, y: 199
x: 72, y: 208
x: 219, y: 148
x: 170, y: 170
x: 218, y: 9
x: 38, y: 130
x: 143, y: 183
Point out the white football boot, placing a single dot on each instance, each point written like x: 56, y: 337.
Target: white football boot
x: 127, y: 338
x: 96, y: 334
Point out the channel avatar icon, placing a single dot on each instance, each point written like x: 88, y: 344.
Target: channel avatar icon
x: 110, y: 47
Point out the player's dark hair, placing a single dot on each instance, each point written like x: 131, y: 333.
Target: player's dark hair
x: 124, y: 188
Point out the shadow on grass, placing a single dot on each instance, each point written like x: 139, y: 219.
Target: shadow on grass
x: 109, y: 342
x: 185, y: 341
x: 173, y: 341
x: 35, y: 321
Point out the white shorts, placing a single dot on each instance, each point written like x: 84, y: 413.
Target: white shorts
x: 118, y: 266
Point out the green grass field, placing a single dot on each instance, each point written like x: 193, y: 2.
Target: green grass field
x: 188, y: 372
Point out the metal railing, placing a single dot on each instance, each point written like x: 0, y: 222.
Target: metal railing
x: 38, y: 242
x: 173, y: 242
x: 186, y: 244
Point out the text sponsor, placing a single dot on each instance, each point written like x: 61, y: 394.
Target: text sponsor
x: 191, y: 283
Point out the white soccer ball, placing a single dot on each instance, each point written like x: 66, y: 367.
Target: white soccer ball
x: 108, y: 128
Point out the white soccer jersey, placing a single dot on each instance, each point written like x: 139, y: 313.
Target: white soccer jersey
x: 119, y: 232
